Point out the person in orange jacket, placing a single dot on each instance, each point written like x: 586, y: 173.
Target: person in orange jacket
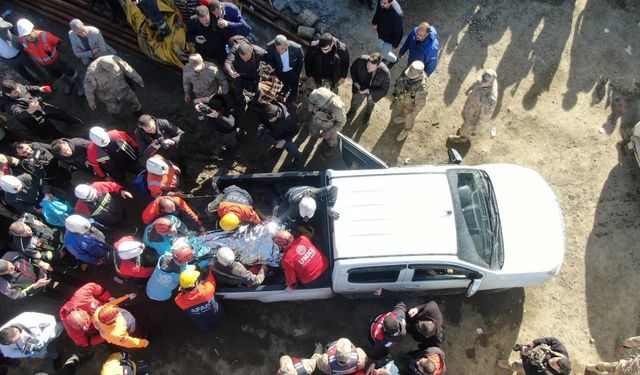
x: 162, y: 176
x: 115, y: 324
x: 76, y: 314
x: 175, y: 206
x: 197, y: 298
x: 233, y: 206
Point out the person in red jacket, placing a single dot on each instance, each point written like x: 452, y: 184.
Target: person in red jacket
x: 163, y: 178
x: 111, y: 153
x: 76, y: 314
x: 103, y: 202
x: 175, y: 206
x: 198, y: 299
x: 301, y: 262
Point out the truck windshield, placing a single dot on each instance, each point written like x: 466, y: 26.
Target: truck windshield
x: 477, y: 219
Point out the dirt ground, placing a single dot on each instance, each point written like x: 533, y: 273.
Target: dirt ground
x: 568, y: 78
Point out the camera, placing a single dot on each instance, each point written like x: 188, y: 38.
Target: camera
x: 203, y: 108
x: 31, y: 346
x: 519, y: 347
x: 159, y: 141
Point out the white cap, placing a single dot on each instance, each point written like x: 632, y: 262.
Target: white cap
x: 86, y: 192
x: 10, y: 184
x: 157, y: 165
x: 25, y: 27
x: 225, y: 256
x: 130, y: 249
x: 99, y: 136
x: 307, y: 208
x: 77, y: 224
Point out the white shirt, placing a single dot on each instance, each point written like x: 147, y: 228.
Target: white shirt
x: 285, y: 61
x: 43, y: 327
x: 6, y: 51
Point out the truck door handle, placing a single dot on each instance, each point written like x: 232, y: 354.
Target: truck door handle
x: 412, y: 286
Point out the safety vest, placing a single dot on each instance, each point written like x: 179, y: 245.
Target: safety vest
x: 161, y: 284
x: 159, y: 184
x: 43, y: 51
x: 337, y: 369
x: 377, y: 332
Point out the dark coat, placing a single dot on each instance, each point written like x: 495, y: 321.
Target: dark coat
x: 164, y: 130
x: 555, y: 345
x: 296, y: 57
x: 214, y: 46
x: 225, y: 122
x: 339, y: 61
x: 78, y: 158
x: 389, y: 23
x: 377, y: 83
x: 428, y: 311
x: 29, y: 198
x: 236, y: 25
x: 285, y: 127
x: 248, y: 70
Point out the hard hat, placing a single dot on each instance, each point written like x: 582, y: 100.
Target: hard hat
x: 229, y: 222
x: 99, y: 136
x: 163, y: 226
x: 307, y: 208
x: 79, y: 319
x: 225, y: 256
x: 157, y: 165
x: 77, y: 224
x: 108, y: 314
x: 282, y: 238
x: 188, y: 278
x: 25, y: 27
x: 130, y: 249
x: 10, y: 184
x: 320, y: 96
x: 182, y: 254
x: 86, y: 192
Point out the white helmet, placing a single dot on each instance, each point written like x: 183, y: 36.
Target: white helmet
x: 157, y: 166
x: 99, y: 136
x: 307, y: 208
x: 225, y: 256
x: 130, y: 249
x: 86, y: 192
x: 77, y: 224
x: 10, y: 184
x: 25, y: 27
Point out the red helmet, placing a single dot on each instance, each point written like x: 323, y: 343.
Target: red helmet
x: 108, y: 314
x: 79, y: 319
x: 282, y: 238
x: 182, y: 254
x: 164, y: 226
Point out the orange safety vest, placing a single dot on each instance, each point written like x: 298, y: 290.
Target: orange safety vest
x: 44, y: 50
x: 160, y: 184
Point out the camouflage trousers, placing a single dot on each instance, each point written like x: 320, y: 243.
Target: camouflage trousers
x: 319, y: 129
x: 622, y: 367
x: 471, y: 124
x: 128, y: 102
x: 406, y: 116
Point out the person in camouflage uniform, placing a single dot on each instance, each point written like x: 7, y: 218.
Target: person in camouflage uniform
x: 482, y: 98
x: 328, y: 116
x: 630, y: 366
x: 105, y: 81
x: 546, y: 355
x: 410, y: 96
x: 204, y: 78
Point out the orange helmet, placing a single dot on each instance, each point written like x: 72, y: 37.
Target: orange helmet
x: 108, y: 314
x: 164, y: 226
x: 182, y: 254
x: 79, y: 319
x: 282, y: 238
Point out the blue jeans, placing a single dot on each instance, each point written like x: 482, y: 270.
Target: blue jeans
x: 385, y: 50
x: 292, y: 149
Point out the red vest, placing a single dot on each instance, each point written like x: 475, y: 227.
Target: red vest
x: 336, y: 369
x: 43, y: 50
x: 302, y: 260
x: 161, y: 184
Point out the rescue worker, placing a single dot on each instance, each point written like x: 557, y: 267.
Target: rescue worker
x: 387, y: 329
x: 327, y: 63
x: 22, y: 277
x: 428, y: 361
x: 133, y: 259
x: 629, y: 366
x: 300, y: 366
x: 44, y: 48
x: 84, y: 241
x: 105, y: 82
x: 28, y: 335
x: 197, y: 298
x: 116, y: 325
x: 31, y: 111
x: 11, y: 53
x: 301, y: 261
x: 158, y: 136
x: 370, y: 80
x: 204, y: 79
x: 111, y: 153
x: 162, y: 231
x: 76, y: 314
x: 342, y: 357
x: 172, y: 205
x: 163, y: 178
x: 234, y: 206
x: 35, y: 239
x: 103, y: 202
x: 166, y: 275
x: 121, y: 363
x: 410, y: 96
x: 328, y: 116
x: 38, y: 160
x: 25, y: 192
x: 426, y: 325
x: 72, y: 154
x: 302, y: 201
x: 482, y: 99
x: 243, y: 66
x: 87, y: 42
x: 543, y: 355
x: 229, y: 272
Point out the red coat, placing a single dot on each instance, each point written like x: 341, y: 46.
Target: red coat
x: 101, y: 187
x: 152, y: 211
x: 44, y: 50
x: 244, y: 212
x: 92, y: 149
x: 88, y: 298
x: 158, y: 185
x: 130, y: 267
x: 303, y: 261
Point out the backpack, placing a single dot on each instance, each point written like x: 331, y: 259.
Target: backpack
x: 56, y: 211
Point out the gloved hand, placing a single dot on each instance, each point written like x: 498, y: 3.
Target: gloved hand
x: 334, y: 214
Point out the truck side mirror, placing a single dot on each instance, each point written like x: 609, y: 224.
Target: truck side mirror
x: 454, y: 156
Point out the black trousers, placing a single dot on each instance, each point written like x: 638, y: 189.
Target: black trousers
x: 290, y: 82
x: 26, y: 67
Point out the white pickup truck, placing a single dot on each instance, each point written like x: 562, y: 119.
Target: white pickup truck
x: 428, y: 229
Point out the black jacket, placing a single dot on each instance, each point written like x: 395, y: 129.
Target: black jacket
x: 377, y: 83
x: 338, y: 61
x: 214, y: 46
x: 248, y: 70
x: 29, y: 198
x: 428, y: 311
x: 285, y: 127
x: 296, y: 57
x: 390, y: 23
x: 555, y: 345
x: 164, y: 130
x: 225, y: 122
x: 78, y: 158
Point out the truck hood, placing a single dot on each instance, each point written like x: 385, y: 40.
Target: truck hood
x: 532, y: 224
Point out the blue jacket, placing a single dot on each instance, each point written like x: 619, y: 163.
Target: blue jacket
x: 427, y: 51
x: 86, y: 247
x: 165, y: 278
x: 236, y: 24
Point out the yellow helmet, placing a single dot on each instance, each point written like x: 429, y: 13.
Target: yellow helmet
x: 188, y: 278
x: 229, y: 222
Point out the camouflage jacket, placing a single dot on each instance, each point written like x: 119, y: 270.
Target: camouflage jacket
x: 481, y: 101
x: 108, y: 86
x: 411, y: 93
x: 207, y: 82
x: 330, y: 116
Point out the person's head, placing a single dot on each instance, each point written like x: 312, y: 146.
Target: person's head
x: 10, y: 88
x: 385, y: 4
x: 86, y: 193
x: 11, y: 184
x: 167, y: 205
x: 147, y: 124
x: 79, y: 319
x: 197, y: 62
x: 99, y: 136
x: 326, y: 42
x: 415, y: 71
x: 20, y: 229
x: 78, y: 27
x: 426, y: 327
x: 281, y: 43
x: 22, y: 149
x: 10, y: 335
x: 373, y: 62
x: 6, y: 267
x: 344, y: 347
x: 390, y: 326
x: 215, y: 8
x: 202, y: 12
x: 319, y: 97
x: 426, y: 366
x: 77, y: 224
x: 189, y: 278
x: 245, y: 51
x: 229, y: 222
x: 157, y: 165
x: 225, y: 256
x: 165, y: 227
x: 130, y: 249
x: 181, y: 252
x: 108, y: 314
x: 423, y: 31
x: 488, y: 77
x: 307, y: 208
x: 273, y: 112
x: 283, y: 238
x: 560, y: 365
x: 25, y: 29
x: 61, y: 147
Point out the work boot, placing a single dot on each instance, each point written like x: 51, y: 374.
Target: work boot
x: 458, y: 139
x: 402, y: 135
